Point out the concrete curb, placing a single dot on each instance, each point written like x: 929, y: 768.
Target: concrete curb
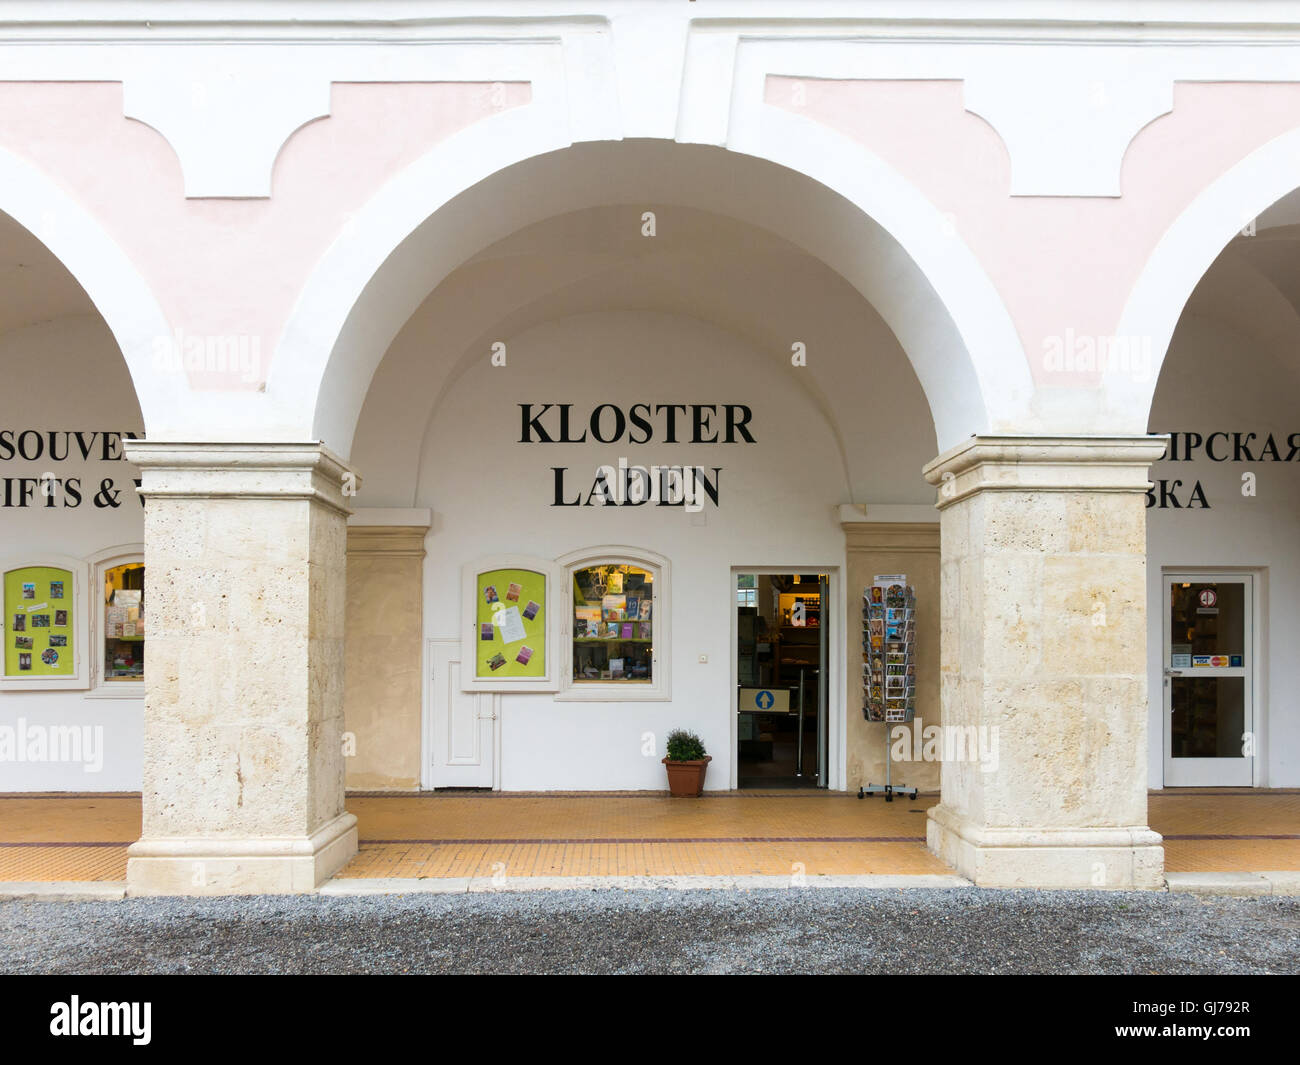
x: 1278, y: 882
x: 64, y: 890
x: 1281, y: 882
x: 1284, y: 881
x: 459, y: 885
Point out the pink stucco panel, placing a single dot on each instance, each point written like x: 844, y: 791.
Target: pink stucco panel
x: 1061, y: 264
x: 234, y: 268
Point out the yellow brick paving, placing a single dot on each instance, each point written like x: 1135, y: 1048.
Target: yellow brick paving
x: 84, y: 837
x: 638, y: 835
x: 67, y: 837
x: 1200, y: 812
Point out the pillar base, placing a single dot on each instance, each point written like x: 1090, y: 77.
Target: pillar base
x: 251, y: 866
x: 1128, y: 858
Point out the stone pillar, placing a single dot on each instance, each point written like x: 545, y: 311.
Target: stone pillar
x: 1043, y: 659
x: 383, y: 652
x: 243, y: 723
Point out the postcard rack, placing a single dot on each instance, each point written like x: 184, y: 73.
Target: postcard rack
x: 888, y: 665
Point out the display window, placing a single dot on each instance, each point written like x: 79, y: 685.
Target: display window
x: 118, y: 622
x: 124, y: 623
x: 44, y: 624
x: 613, y: 624
x: 617, y: 620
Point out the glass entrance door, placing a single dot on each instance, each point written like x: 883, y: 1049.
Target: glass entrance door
x: 783, y: 650
x: 1208, y: 680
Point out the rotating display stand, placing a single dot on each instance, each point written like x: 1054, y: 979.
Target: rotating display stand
x: 888, y: 665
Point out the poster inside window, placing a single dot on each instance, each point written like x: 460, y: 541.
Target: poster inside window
x: 613, y: 624
x: 124, y: 623
x: 39, y: 622
x: 511, y: 624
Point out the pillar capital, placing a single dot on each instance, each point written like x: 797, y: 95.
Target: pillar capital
x: 218, y: 470
x: 380, y: 541
x: 1044, y: 464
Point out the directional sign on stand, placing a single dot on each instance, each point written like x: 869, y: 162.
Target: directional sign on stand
x: 764, y: 700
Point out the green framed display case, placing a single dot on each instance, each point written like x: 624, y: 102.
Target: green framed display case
x: 44, y: 623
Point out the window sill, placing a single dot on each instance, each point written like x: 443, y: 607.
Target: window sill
x: 612, y: 693
x: 131, y: 690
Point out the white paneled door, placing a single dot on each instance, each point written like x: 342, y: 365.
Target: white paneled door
x: 462, y: 724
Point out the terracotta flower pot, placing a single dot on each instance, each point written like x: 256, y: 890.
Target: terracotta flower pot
x: 686, y: 779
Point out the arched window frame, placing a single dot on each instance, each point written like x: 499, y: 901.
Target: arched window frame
x: 659, y: 689
x: 100, y: 563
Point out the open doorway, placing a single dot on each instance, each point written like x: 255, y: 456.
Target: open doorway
x: 782, y: 677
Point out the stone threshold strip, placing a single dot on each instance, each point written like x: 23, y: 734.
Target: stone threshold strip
x: 1280, y: 883
x: 104, y: 890
x: 746, y: 882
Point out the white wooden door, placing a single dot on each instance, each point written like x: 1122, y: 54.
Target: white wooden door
x: 1209, y: 669
x: 462, y: 724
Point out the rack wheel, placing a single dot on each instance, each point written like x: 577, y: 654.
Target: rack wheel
x: 861, y: 793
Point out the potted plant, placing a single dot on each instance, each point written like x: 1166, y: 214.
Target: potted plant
x: 686, y: 763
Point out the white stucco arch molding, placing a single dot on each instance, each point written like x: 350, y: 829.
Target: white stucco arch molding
x: 109, y: 278
x: 1183, y: 255
x: 963, y: 343
x: 375, y: 275
x: 826, y: 195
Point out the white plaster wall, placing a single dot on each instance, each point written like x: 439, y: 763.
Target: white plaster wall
x: 1226, y: 376
x: 491, y: 494
x: 69, y: 374
x: 700, y: 264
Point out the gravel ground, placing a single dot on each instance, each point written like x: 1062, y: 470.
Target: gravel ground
x: 822, y: 930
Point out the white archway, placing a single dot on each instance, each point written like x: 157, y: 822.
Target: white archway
x: 841, y: 203
x: 1187, y: 250
x: 737, y: 277
x: 108, y: 277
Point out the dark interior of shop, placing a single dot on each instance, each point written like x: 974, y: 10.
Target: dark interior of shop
x: 780, y: 670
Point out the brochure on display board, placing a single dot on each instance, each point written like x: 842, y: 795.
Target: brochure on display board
x: 511, y: 618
